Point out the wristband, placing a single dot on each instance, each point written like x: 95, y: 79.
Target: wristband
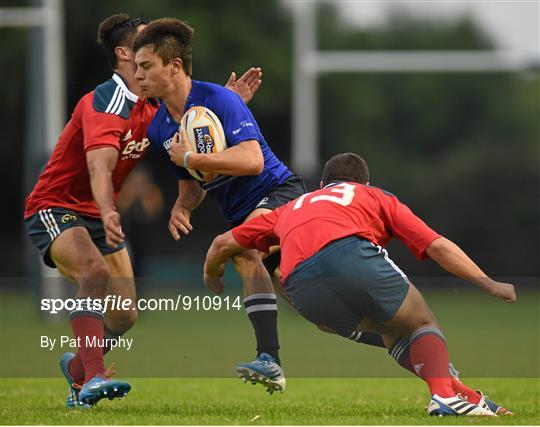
x: 186, y: 157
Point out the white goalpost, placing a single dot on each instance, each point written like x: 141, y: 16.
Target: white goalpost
x: 309, y: 63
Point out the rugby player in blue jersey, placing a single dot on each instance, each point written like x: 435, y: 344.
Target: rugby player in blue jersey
x: 252, y: 180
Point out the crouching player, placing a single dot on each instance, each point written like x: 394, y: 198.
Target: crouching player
x: 337, y: 274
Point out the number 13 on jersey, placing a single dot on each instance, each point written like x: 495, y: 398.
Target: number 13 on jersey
x: 344, y: 198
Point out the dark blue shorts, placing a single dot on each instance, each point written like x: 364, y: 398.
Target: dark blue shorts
x: 47, y: 224
x: 347, y: 280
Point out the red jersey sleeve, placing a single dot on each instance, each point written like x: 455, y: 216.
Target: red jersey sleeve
x: 407, y: 227
x: 258, y: 233
x: 100, y: 129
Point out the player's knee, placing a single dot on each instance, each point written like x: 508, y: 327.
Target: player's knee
x: 247, y: 262
x: 94, y: 278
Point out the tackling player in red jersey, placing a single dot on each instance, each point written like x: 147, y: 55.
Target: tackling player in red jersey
x: 71, y: 215
x: 337, y: 274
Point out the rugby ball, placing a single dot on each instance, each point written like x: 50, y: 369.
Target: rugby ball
x: 205, y: 135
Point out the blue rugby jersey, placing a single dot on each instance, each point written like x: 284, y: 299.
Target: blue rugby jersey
x: 237, y: 195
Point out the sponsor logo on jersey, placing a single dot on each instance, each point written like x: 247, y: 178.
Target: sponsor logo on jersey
x: 135, y: 149
x: 68, y: 218
x: 167, y: 143
x: 203, y: 140
x: 127, y: 137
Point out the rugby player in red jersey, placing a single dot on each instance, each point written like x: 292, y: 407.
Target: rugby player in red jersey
x: 337, y: 274
x: 71, y: 216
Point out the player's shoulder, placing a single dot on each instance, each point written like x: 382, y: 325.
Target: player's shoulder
x: 114, y: 97
x: 378, y: 190
x: 214, y: 93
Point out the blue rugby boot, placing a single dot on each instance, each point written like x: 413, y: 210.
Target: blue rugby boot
x: 263, y: 370
x: 102, y: 386
x: 72, y: 400
x: 455, y: 405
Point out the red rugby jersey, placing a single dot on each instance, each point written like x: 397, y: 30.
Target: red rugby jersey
x: 304, y: 226
x: 111, y: 115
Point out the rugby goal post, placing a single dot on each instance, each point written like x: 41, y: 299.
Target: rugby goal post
x: 309, y: 62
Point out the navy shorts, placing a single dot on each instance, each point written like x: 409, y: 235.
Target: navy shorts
x: 47, y: 224
x: 290, y: 189
x: 347, y: 280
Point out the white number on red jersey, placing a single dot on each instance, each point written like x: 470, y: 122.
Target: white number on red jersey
x: 345, y: 191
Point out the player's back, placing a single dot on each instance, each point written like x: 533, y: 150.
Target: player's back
x: 111, y: 115
x: 309, y: 223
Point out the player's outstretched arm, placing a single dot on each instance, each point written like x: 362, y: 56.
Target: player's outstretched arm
x: 245, y: 158
x: 101, y: 163
x: 247, y: 85
x: 190, y: 195
x: 223, y: 248
x: 450, y: 257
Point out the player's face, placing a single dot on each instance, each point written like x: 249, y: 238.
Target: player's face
x: 155, y: 79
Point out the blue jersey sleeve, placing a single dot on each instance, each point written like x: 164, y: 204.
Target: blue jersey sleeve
x: 236, y: 118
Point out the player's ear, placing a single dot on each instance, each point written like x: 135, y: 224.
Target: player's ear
x: 123, y: 53
x: 176, y: 64
x: 321, y: 184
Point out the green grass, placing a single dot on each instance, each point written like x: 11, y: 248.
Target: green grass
x: 496, y: 343
x: 228, y: 401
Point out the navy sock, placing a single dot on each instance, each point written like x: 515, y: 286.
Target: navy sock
x: 262, y: 311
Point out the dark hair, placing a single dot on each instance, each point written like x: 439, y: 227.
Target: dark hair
x: 346, y: 167
x: 117, y: 30
x: 170, y: 38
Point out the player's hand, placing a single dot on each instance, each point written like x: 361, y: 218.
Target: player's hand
x: 179, y: 221
x: 504, y: 291
x: 113, y: 230
x: 247, y: 85
x: 213, y: 278
x: 179, y: 148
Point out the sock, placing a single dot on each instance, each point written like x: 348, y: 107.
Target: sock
x: 429, y: 359
x: 87, y: 324
x: 76, y: 368
x: 262, y: 311
x: 369, y: 338
x: 471, y: 395
x: 400, y: 353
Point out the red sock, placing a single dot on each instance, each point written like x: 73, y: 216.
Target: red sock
x: 471, y: 395
x: 76, y: 368
x: 91, y: 327
x: 429, y: 358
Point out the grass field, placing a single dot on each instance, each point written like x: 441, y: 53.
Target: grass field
x: 181, y: 368
x: 228, y: 401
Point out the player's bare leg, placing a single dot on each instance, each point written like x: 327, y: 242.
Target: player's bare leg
x: 428, y: 355
x: 122, y: 285
x: 78, y: 258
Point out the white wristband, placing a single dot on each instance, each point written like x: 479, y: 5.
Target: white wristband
x: 186, y: 157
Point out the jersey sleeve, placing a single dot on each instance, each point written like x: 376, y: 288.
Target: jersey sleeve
x: 101, y: 129
x: 258, y: 233
x: 236, y: 118
x: 407, y: 227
